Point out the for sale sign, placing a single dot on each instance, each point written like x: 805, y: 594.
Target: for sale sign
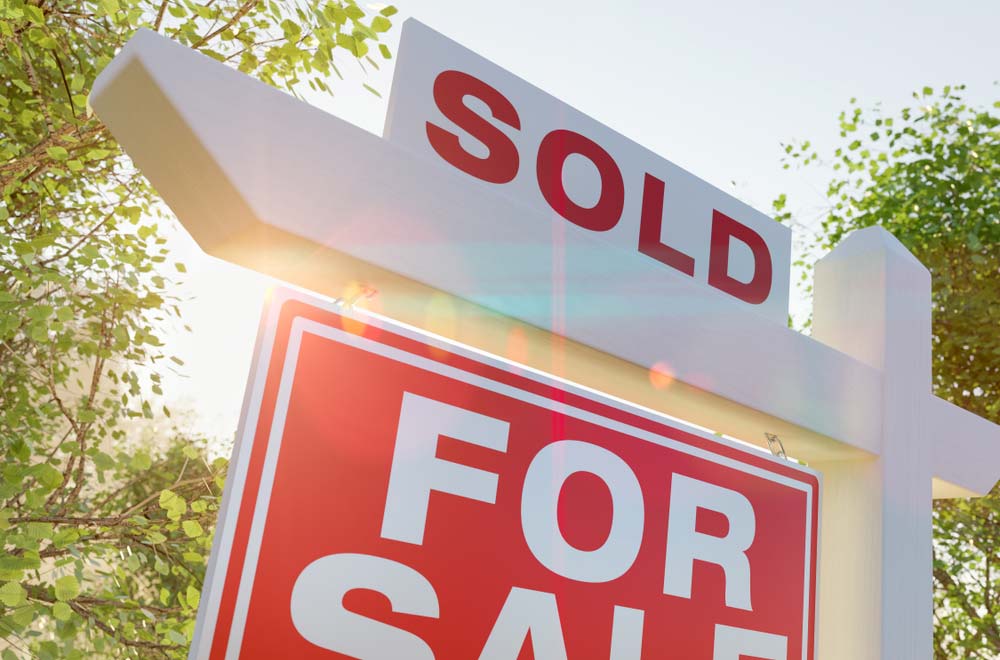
x: 394, y: 496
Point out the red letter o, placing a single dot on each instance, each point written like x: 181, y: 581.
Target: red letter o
x: 552, y: 154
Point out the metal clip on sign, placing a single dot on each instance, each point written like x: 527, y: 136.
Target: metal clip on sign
x: 355, y: 295
x: 775, y: 445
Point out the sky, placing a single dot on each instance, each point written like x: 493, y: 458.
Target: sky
x: 715, y: 87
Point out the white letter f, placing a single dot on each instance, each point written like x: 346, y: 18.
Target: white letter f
x: 416, y: 470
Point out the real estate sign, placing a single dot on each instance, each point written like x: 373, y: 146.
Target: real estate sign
x: 397, y: 496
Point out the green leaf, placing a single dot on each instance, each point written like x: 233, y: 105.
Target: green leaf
x: 192, y: 528
x: 58, y: 153
x: 39, y: 531
x: 337, y: 14
x: 67, y: 587
x: 46, y: 475
x: 193, y: 597
x: 40, y: 312
x: 109, y: 6
x: 155, y: 537
x: 13, y: 594
x: 65, y: 537
x: 62, y: 611
x: 388, y: 11
x: 14, y: 565
x: 34, y: 14
x: 176, y: 637
x: 102, y: 461
x: 380, y: 24
x: 168, y: 498
x: 23, y: 615
x: 347, y: 42
x: 174, y: 505
x: 141, y: 461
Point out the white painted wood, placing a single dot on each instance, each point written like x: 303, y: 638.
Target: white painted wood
x: 873, y: 301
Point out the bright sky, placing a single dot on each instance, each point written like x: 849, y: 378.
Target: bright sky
x: 713, y: 86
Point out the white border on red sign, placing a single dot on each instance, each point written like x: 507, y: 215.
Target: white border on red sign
x: 236, y: 478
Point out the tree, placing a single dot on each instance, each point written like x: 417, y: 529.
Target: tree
x: 105, y: 522
x: 929, y: 174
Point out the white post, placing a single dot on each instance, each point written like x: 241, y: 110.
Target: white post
x: 873, y: 302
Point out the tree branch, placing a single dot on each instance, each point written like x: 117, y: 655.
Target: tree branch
x: 159, y: 15
x: 233, y: 20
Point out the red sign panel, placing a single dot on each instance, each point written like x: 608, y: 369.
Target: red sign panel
x: 394, y: 496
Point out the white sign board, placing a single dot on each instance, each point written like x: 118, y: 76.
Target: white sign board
x: 457, y: 108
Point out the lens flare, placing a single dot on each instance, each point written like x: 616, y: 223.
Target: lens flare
x: 661, y: 375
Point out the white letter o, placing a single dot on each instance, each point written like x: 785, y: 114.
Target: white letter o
x: 539, y: 511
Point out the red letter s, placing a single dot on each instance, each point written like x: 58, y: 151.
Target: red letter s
x: 450, y: 90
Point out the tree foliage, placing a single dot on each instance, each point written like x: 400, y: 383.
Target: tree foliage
x: 106, y: 512
x: 930, y: 174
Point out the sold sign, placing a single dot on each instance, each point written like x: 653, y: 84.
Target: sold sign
x: 394, y: 496
x: 458, y: 108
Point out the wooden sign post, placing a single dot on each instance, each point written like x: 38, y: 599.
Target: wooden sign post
x: 668, y: 275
